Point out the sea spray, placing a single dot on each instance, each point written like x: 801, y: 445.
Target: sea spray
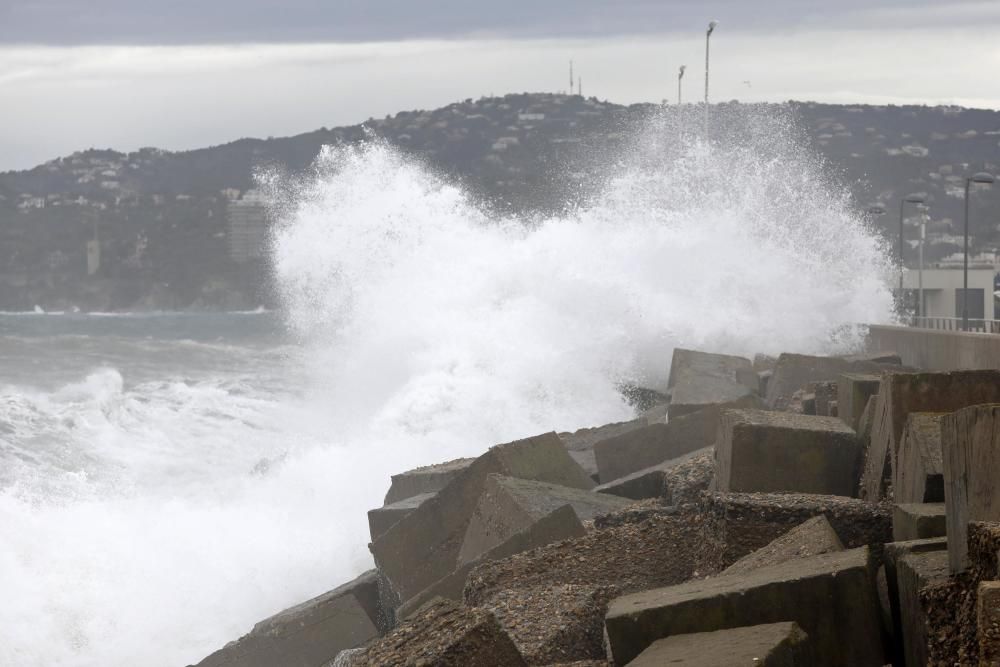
x: 192, y: 505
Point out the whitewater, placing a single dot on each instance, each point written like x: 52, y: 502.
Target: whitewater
x: 166, y: 481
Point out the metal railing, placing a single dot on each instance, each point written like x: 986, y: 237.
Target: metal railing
x: 955, y: 324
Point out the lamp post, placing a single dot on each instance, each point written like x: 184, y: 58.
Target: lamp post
x: 985, y: 179
x: 680, y: 109
x: 708, y: 37
x: 920, y: 266
x: 908, y: 199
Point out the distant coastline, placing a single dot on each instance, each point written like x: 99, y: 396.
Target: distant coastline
x: 102, y: 230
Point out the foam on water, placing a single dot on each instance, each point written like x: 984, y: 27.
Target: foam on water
x: 147, y: 523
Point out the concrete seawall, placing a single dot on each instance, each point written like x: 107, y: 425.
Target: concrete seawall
x: 937, y: 350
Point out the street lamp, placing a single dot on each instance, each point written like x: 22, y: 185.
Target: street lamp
x: 920, y: 266
x: 680, y: 110
x: 908, y: 199
x: 708, y: 35
x: 985, y: 179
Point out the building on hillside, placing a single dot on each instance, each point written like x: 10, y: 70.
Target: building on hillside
x: 248, y: 227
x: 943, y: 292
x: 93, y: 257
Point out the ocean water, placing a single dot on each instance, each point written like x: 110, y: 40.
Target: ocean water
x: 167, y: 480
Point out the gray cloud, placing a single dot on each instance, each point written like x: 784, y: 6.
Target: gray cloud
x: 72, y: 22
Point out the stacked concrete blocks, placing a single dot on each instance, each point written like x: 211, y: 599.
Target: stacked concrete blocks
x: 424, y: 547
x: 509, y: 505
x: 560, y: 524
x: 811, y: 538
x: 745, y: 522
x: 903, y: 393
x: 761, y: 451
x: 915, y: 572
x: 658, y: 481
x: 970, y: 439
x: 892, y: 554
x: 700, y: 379
x: 794, y: 372
x: 830, y: 596
x: 853, y: 392
x: 918, y: 475
x: 918, y: 521
x: 628, y: 453
x: 310, y: 634
x: 445, y: 634
x: 770, y: 645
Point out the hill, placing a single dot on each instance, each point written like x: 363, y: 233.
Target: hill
x: 160, y: 218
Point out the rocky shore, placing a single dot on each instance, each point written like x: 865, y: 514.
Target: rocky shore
x: 783, y: 512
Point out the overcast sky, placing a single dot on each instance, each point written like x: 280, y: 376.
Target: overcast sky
x: 185, y: 73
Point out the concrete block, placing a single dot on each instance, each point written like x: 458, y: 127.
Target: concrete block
x: 918, y: 476
x: 426, y: 479
x: 642, y: 448
x: 969, y: 440
x: 554, y: 624
x: 831, y: 597
x: 988, y: 622
x: 650, y: 482
x: 446, y: 634
x: 811, y: 538
x: 902, y: 393
x: 866, y: 423
x: 771, y: 645
x: 686, y: 363
x: 422, y: 548
x: 853, y: 392
x: 883, y: 357
x: 914, y: 572
x: 310, y: 634
x: 793, y: 372
x: 891, y: 555
x: 700, y: 379
x: 381, y: 519
x: 633, y: 551
x: 581, y: 443
x: 646, y: 483
x: 655, y: 415
x: 509, y: 505
x: 918, y: 521
x: 560, y: 524
x: 745, y: 522
x: 761, y: 451
x: 587, y: 461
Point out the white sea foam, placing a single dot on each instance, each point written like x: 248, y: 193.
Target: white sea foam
x: 150, y: 522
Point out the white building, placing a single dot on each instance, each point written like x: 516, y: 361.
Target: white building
x: 943, y: 291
